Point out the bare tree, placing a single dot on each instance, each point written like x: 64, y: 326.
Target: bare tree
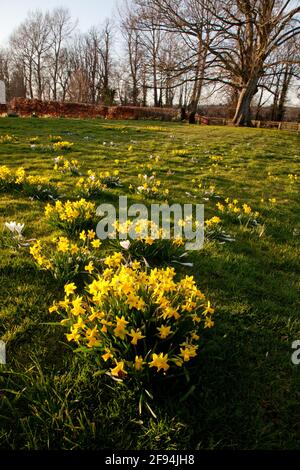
x: 91, y: 62
x: 23, y: 54
x: 188, y: 22
x: 247, y: 32
x: 283, y: 74
x: 106, y: 64
x: 133, y: 54
x: 175, y: 52
x: 61, y: 28
x: 4, y: 67
x: 31, y: 43
x: 65, y: 69
x: 241, y: 36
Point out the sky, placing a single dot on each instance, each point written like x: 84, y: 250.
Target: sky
x: 88, y: 12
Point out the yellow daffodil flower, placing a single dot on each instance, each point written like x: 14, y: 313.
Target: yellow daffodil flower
x: 70, y: 289
x: 160, y: 361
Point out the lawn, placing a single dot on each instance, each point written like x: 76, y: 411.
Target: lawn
x: 243, y: 390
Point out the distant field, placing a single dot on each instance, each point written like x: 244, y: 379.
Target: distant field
x: 246, y: 389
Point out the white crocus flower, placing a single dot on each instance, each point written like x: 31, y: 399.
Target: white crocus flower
x: 11, y: 226
x: 19, y: 228
x: 15, y: 227
x: 125, y: 244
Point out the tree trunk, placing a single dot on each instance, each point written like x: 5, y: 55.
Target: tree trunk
x: 30, y: 81
x: 283, y: 95
x: 183, y: 114
x: 242, y: 115
x: 144, y: 88
x: 39, y: 80
x: 135, y: 93
x: 193, y: 105
x: 155, y: 88
x: 55, y: 73
x: 192, y: 117
x: 198, y: 83
x: 258, y: 108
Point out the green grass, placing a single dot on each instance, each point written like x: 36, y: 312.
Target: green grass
x: 246, y: 392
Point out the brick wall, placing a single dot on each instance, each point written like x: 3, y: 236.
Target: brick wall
x: 26, y: 107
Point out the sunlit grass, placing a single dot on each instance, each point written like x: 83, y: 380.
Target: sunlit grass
x: 246, y: 389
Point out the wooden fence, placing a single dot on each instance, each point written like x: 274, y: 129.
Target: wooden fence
x: 284, y: 125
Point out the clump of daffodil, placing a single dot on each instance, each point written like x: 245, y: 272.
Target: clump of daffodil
x: 110, y: 179
x: 34, y: 140
x: 66, y: 259
x: 94, y: 184
x: 155, y: 128
x: 150, y: 186
x: 7, y: 139
x: 146, y: 241
x: 180, y: 152
x: 244, y: 213
x: 66, y: 166
x: 91, y: 186
x: 72, y: 217
x: 55, y: 138
x: 63, y: 145
x: 40, y: 187
x: 11, y: 179
x: 213, y: 228
x: 137, y: 322
x: 36, y: 187
x: 215, y: 220
x: 203, y: 189
x: 292, y: 178
x: 216, y: 158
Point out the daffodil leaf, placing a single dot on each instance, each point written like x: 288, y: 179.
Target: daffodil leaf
x: 99, y: 372
x: 141, y: 404
x: 189, y: 392
x: 151, y: 411
x: 149, y: 394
